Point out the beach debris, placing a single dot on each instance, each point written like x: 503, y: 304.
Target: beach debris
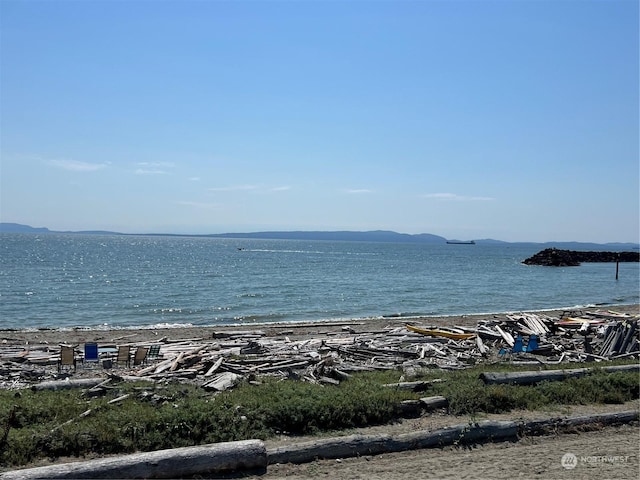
x: 331, y: 356
x: 223, y: 381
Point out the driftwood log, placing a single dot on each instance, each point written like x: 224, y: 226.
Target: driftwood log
x: 175, y: 463
x: 354, y: 445
x: 89, y: 383
x: 542, y: 427
x: 531, y: 377
x: 432, y: 403
x: 68, y: 383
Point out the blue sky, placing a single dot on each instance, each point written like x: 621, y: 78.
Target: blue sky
x: 515, y: 120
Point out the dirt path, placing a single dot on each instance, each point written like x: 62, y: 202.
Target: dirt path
x: 607, y: 453
x: 530, y: 458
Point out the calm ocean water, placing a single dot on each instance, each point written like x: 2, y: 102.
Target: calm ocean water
x: 96, y: 281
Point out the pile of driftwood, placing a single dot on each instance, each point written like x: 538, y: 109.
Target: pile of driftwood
x: 228, y: 357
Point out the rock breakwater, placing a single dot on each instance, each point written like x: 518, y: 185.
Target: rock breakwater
x: 554, y: 257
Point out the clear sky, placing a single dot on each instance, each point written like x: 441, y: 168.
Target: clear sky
x: 514, y: 120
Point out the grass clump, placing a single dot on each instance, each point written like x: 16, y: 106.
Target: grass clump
x: 303, y: 408
x: 468, y: 395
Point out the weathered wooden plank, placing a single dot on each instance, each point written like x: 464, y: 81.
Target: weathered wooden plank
x: 285, y: 366
x: 176, y: 362
x: 214, y: 367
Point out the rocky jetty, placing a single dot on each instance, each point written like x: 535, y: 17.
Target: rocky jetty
x: 554, y: 257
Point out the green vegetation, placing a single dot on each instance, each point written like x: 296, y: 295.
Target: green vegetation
x: 49, y: 424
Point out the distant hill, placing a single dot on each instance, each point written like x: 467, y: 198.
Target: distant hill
x: 347, y: 236
x: 565, y: 245
x: 18, y: 228
x: 372, y: 236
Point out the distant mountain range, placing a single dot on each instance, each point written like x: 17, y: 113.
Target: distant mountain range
x: 370, y: 236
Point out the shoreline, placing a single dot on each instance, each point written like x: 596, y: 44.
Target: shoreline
x: 301, y: 329
x: 622, y: 307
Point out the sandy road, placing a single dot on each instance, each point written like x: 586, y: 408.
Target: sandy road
x: 610, y: 453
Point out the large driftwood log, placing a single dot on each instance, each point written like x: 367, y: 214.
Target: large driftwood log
x: 354, y: 445
x: 486, y: 431
x: 531, y: 377
x: 68, y: 383
x: 174, y: 463
x: 342, y: 447
x: 541, y: 427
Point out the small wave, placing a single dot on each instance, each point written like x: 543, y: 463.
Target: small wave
x: 267, y: 250
x: 167, y: 310
x: 163, y: 325
x: 405, y: 315
x: 307, y: 252
x: 268, y: 318
x: 104, y: 327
